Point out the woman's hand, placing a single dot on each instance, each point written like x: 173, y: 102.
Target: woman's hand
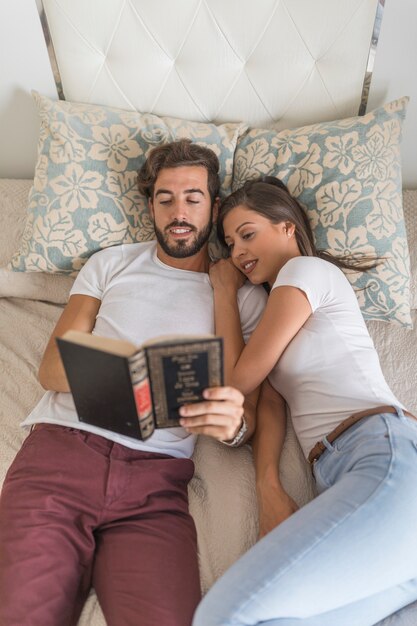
x: 224, y: 275
x: 275, y: 506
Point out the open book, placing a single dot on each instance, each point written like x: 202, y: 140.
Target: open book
x: 132, y: 390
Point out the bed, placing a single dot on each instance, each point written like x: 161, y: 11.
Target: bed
x: 42, y: 248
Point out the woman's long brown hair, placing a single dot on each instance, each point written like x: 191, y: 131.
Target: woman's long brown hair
x: 269, y: 197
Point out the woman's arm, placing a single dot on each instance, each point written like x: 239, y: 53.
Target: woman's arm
x: 286, y: 311
x: 226, y: 281
x: 275, y: 505
x: 79, y: 314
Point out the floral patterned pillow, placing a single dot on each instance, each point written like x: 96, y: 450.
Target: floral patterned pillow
x: 85, y: 195
x: 347, y: 174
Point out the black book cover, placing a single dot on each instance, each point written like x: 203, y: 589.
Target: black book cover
x: 180, y: 372
x: 101, y: 387
x: 131, y: 390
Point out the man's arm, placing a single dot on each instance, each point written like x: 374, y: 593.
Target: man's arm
x: 79, y: 314
x: 275, y: 505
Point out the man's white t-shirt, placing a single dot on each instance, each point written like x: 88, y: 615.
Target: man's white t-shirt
x: 331, y: 368
x: 142, y: 298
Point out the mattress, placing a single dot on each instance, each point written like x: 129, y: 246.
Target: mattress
x: 222, y: 492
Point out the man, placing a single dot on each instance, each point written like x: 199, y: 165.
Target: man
x: 82, y: 506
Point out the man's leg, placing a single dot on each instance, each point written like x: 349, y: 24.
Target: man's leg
x: 46, y: 541
x: 146, y: 568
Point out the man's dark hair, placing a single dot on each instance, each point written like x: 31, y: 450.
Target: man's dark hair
x: 178, y: 154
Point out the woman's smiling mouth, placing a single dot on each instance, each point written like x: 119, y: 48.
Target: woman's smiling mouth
x: 248, y: 266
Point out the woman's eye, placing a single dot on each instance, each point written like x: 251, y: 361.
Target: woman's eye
x: 247, y: 236
x: 230, y: 246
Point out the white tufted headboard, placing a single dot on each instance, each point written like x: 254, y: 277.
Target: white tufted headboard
x: 266, y: 62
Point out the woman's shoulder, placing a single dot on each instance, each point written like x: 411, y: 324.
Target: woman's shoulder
x: 312, y: 274
x: 322, y: 281
x: 309, y: 265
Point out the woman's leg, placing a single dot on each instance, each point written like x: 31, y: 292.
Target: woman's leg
x: 355, y: 541
x: 365, y: 612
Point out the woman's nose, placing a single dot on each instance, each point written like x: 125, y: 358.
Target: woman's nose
x: 237, y: 251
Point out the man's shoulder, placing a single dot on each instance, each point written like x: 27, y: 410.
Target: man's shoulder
x: 121, y: 252
x: 251, y: 293
x: 247, y: 288
x: 108, y: 262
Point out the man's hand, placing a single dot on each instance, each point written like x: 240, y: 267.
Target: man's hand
x: 219, y: 415
x: 275, y: 505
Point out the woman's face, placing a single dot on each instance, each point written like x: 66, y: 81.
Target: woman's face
x: 258, y: 247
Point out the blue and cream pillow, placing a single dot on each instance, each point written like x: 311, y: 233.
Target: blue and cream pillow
x: 347, y: 174
x: 85, y: 195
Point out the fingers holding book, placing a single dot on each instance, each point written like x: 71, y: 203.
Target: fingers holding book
x: 220, y: 415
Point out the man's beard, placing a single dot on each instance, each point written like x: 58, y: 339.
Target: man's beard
x: 182, y: 249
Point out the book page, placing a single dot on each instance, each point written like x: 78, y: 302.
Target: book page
x: 119, y: 347
x: 168, y: 339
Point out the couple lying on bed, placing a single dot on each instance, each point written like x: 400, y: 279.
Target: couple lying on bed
x: 86, y: 507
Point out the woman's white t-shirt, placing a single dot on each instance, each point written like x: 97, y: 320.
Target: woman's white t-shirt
x: 331, y: 368
x: 142, y: 298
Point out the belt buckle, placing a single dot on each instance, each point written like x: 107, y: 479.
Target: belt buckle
x: 317, y: 451
x: 312, y: 464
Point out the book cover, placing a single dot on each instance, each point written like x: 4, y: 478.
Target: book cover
x: 133, y: 390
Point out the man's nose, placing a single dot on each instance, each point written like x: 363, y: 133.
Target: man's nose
x: 179, y: 211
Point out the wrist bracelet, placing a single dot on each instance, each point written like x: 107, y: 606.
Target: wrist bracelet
x: 237, y: 439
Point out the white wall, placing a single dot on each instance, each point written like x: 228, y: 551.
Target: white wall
x: 395, y: 75
x: 24, y: 65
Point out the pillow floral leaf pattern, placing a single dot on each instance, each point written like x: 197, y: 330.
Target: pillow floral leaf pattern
x: 347, y: 174
x: 84, y: 196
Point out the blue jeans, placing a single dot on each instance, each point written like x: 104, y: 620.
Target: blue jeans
x: 349, y: 557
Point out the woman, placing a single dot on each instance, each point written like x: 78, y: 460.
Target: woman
x: 349, y: 557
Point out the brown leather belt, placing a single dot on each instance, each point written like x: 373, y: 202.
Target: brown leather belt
x: 319, y: 448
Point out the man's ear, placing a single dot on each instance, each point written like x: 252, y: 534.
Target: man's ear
x: 216, y: 205
x: 150, y: 206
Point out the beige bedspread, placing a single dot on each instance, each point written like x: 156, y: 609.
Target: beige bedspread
x: 222, y: 497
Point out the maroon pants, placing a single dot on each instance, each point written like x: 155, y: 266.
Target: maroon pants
x: 78, y: 510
